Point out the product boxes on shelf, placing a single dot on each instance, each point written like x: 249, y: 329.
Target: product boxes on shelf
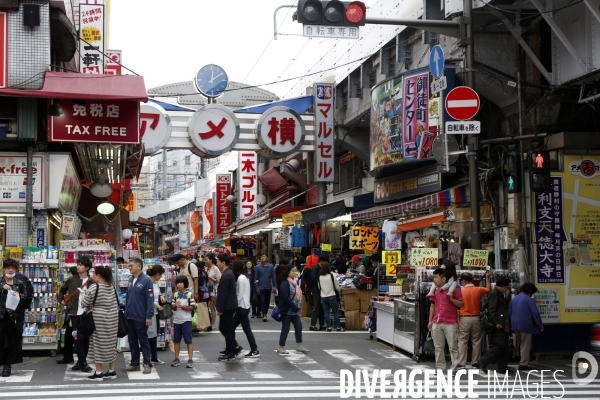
x: 352, y: 319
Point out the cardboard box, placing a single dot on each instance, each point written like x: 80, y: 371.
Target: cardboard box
x: 365, y: 295
x: 305, y: 308
x: 352, y: 320
x: 350, y: 301
x: 365, y: 305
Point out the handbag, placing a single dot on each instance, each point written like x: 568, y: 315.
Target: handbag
x: 276, y: 314
x: 166, y: 312
x: 337, y: 294
x: 87, y: 326
x: 123, y: 327
x: 203, y: 319
x: 429, y: 347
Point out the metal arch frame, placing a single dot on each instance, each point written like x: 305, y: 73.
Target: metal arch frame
x: 516, y: 32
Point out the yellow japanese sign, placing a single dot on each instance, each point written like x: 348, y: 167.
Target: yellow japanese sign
x: 132, y: 205
x: 567, y: 246
x: 475, y: 258
x: 291, y: 218
x: 364, y: 238
x: 424, y: 256
x: 391, y: 259
x: 325, y: 247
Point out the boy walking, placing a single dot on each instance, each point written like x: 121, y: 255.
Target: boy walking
x: 183, y: 304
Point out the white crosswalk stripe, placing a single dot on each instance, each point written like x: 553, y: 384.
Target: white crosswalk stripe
x: 199, y: 359
x: 352, y: 359
x: 309, y: 366
x: 18, y: 376
x: 392, y: 355
x: 138, y: 374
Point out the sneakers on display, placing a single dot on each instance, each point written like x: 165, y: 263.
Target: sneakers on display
x: 252, y: 354
x: 110, y: 375
x: 96, y: 377
x: 190, y: 364
x: 147, y: 369
x: 175, y: 362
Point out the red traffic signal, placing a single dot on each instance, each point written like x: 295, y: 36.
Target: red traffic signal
x: 539, y: 161
x: 331, y: 13
x: 539, y: 170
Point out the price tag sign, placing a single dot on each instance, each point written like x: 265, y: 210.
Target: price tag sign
x: 475, y: 258
x: 325, y: 247
x: 391, y: 259
x: 424, y: 257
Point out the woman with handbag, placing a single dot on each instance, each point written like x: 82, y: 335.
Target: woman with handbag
x: 330, y: 292
x: 155, y: 273
x: 101, y: 300
x: 289, y: 305
x: 12, y: 294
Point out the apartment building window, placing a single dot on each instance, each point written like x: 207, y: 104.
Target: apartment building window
x: 348, y: 170
x: 188, y: 160
x: 159, y: 166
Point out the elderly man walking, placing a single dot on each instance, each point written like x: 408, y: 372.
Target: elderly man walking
x: 525, y: 320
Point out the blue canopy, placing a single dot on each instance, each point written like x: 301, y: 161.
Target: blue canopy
x: 298, y: 104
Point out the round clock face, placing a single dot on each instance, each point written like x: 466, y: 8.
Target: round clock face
x: 211, y: 80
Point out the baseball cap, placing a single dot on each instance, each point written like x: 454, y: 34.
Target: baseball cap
x: 178, y: 257
x: 356, y: 258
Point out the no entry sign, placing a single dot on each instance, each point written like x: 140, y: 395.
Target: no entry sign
x: 462, y: 103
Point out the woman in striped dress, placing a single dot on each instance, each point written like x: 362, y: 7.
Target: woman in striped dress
x: 105, y: 310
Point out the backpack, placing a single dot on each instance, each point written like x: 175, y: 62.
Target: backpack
x: 485, y: 319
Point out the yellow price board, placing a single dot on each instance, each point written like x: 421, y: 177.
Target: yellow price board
x: 475, y: 258
x: 391, y: 259
x: 325, y: 247
x: 425, y: 257
x: 364, y: 238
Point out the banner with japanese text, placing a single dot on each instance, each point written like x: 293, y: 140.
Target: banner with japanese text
x: 391, y: 259
x: 91, y: 41
x: 475, y: 258
x: 207, y: 219
x: 184, y: 233
x: 567, y: 243
x: 247, y: 183
x: 364, y: 238
x: 223, y: 206
x: 324, y: 141
x: 424, y: 256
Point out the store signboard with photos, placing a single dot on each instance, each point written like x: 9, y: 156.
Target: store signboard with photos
x: 406, y: 117
x: 419, y: 181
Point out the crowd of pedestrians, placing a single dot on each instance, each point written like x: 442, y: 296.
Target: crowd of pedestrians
x: 457, y: 320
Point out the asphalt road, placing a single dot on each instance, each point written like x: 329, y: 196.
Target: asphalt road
x: 315, y: 374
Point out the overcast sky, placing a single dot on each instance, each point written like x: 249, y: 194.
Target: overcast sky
x: 168, y: 41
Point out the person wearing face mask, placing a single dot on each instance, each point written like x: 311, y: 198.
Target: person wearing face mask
x: 11, y: 343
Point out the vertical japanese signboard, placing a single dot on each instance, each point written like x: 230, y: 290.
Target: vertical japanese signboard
x: 113, y: 63
x: 223, y: 206
x: 248, y: 185
x: 324, y: 140
x: 405, y: 118
x: 549, y: 233
x: 91, y: 42
x: 195, y: 226
x: 3, y: 49
x: 415, y: 118
x: 183, y: 233
x: 208, y: 219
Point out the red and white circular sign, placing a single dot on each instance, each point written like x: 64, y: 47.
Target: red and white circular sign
x: 280, y: 132
x: 155, y: 127
x: 214, y: 130
x: 462, y: 103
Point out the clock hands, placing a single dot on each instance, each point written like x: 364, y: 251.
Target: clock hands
x: 215, y: 77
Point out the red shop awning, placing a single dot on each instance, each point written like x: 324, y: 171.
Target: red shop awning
x: 71, y: 85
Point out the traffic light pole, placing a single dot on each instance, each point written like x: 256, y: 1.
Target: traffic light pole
x: 468, y: 43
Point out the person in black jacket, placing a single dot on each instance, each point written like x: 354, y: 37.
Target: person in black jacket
x: 497, y: 306
x: 226, y: 306
x: 11, y: 343
x: 317, y: 310
x: 289, y: 305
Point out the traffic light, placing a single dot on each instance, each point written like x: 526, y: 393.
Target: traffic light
x: 513, y: 172
x: 331, y: 13
x: 539, y: 170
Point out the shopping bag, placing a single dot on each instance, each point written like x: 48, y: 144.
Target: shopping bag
x: 429, y: 347
x: 123, y: 344
x: 202, y: 318
x: 195, y: 318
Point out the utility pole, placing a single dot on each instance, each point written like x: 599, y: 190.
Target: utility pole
x: 467, y: 42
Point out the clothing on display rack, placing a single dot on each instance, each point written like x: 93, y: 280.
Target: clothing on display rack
x: 391, y: 236
x: 332, y: 234
x: 298, y: 235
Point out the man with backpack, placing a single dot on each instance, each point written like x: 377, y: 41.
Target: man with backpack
x: 190, y: 270
x: 497, y: 308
